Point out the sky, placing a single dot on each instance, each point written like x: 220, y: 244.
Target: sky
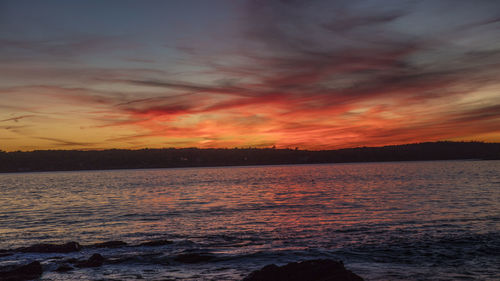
x: 231, y: 73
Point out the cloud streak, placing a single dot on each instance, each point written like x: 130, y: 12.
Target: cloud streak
x: 62, y: 142
x: 17, y: 118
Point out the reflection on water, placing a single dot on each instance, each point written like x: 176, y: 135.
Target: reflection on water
x: 346, y: 211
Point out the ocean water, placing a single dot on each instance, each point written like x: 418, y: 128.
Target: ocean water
x: 386, y: 221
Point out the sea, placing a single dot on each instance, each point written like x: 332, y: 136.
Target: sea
x: 432, y: 220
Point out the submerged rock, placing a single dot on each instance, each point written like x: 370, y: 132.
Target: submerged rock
x: 109, y: 244
x: 156, y: 243
x: 4, y: 252
x: 25, y: 272
x: 64, y: 268
x: 311, y: 270
x: 71, y: 260
x: 95, y: 260
x: 52, y: 248
x: 193, y: 257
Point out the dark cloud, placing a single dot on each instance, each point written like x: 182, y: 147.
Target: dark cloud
x: 487, y: 113
x: 191, y: 87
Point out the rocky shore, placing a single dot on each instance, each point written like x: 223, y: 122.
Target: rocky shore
x: 309, y: 270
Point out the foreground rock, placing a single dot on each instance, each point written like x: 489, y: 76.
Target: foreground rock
x: 95, y: 260
x: 312, y: 270
x: 26, y: 272
x: 52, y: 248
x: 194, y: 258
x: 64, y: 268
x: 109, y: 244
x: 156, y: 243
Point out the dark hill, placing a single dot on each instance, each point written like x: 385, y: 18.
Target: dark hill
x: 65, y: 160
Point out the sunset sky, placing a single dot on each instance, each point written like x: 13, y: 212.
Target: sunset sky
x: 308, y: 74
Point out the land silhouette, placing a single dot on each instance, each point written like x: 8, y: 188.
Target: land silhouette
x: 69, y: 160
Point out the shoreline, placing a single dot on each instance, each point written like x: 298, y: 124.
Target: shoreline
x: 248, y: 166
x: 304, y: 270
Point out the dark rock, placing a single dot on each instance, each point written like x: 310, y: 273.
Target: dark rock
x: 156, y: 243
x: 193, y: 257
x: 52, y: 248
x: 25, y: 272
x: 72, y: 260
x: 95, y: 260
x: 64, y: 268
x: 56, y: 258
x: 4, y: 252
x: 121, y: 259
x: 109, y: 244
x: 312, y: 270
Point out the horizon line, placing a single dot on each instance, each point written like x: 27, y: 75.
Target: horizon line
x: 250, y: 147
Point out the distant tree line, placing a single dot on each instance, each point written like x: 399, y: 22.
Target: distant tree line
x: 65, y: 160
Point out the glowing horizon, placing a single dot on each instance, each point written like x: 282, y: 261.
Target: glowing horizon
x: 222, y: 74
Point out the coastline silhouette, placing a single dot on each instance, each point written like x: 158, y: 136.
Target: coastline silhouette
x: 71, y: 160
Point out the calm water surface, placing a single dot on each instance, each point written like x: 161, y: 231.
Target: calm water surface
x: 386, y: 221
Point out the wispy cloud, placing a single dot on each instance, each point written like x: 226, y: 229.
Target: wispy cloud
x: 63, y: 142
x: 17, y: 118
